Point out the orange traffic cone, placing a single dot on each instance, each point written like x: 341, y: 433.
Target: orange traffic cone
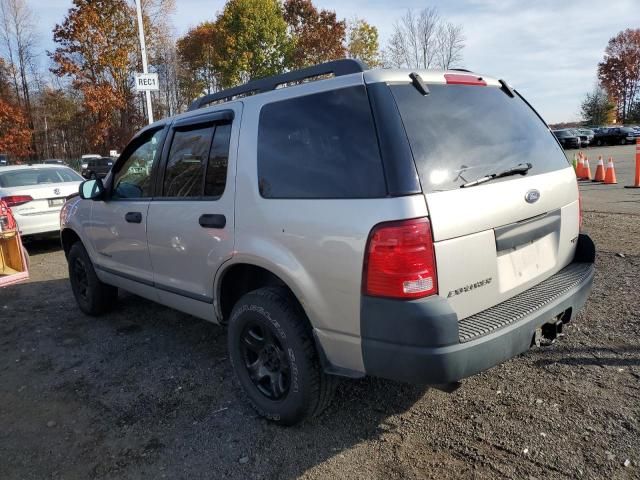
x: 610, y: 175
x: 580, y: 168
x: 636, y: 180
x: 586, y: 172
x: 599, y: 176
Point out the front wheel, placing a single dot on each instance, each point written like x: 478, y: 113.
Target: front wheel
x: 274, y: 357
x: 93, y: 296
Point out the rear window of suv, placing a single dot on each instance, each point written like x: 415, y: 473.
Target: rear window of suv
x: 322, y: 145
x: 460, y: 133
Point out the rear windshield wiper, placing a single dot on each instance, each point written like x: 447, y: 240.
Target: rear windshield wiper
x: 521, y: 169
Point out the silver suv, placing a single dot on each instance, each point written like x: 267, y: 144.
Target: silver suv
x: 418, y: 226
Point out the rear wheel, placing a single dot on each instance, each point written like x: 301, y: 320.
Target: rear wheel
x: 93, y: 296
x: 623, y: 141
x: 274, y: 358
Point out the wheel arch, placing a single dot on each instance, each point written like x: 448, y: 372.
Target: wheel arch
x: 68, y: 237
x: 241, y: 277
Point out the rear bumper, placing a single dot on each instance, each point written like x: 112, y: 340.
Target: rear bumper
x: 38, y: 224
x: 433, y: 347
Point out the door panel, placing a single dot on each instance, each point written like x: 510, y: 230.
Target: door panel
x: 191, y: 223
x: 119, y: 224
x: 186, y: 255
x: 121, y: 245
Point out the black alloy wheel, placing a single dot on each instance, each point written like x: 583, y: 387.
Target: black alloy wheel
x: 265, y: 360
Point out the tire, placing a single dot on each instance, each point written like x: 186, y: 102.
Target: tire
x: 93, y: 296
x: 599, y: 143
x: 623, y: 141
x: 274, y: 357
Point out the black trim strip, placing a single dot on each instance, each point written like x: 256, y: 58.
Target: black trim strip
x: 166, y: 288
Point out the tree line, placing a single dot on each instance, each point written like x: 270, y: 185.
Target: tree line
x: 616, y: 95
x: 85, y: 101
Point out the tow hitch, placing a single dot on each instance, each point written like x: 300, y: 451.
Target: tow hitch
x: 548, y: 333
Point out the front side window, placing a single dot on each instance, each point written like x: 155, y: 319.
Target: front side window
x: 133, y: 179
x: 322, y: 145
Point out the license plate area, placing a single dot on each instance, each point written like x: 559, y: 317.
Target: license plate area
x: 522, y: 264
x: 55, y: 202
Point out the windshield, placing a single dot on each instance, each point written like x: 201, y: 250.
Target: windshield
x: 459, y: 133
x: 37, y: 176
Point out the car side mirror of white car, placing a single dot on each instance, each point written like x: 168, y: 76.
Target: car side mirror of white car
x: 91, y: 189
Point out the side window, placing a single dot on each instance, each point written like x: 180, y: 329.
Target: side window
x: 322, y: 145
x: 187, y: 162
x: 216, y: 177
x: 133, y: 179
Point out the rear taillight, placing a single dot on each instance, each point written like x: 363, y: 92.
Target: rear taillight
x: 15, y: 200
x: 400, y: 261
x: 463, y: 79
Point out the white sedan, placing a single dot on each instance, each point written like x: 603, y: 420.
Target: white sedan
x: 36, y: 194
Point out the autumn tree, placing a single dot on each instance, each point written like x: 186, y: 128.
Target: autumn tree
x: 253, y: 40
x: 317, y: 35
x: 362, y: 42
x: 96, y: 42
x: 17, y: 35
x: 597, y: 108
x: 619, y: 72
x: 199, y: 52
x: 15, y: 134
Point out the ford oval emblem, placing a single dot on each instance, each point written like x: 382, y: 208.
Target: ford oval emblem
x: 532, y: 196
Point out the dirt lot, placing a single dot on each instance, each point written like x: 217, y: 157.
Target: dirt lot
x: 146, y: 392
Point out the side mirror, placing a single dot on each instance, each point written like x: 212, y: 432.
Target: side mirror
x: 91, y: 189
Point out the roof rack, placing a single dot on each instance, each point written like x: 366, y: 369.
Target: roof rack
x: 338, y: 68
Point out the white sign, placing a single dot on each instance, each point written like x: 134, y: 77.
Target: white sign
x: 113, y: 153
x: 147, y: 82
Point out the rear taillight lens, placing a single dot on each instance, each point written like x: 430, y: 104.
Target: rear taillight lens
x: 15, y: 200
x: 400, y: 261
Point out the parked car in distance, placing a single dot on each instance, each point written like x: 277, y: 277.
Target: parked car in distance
x: 53, y: 161
x: 567, y: 138
x: 615, y: 136
x: 584, y: 138
x: 97, y: 167
x: 588, y: 133
x: 415, y: 225
x: 4, y: 160
x: 36, y: 193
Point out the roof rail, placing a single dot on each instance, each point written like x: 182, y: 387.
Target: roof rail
x: 338, y: 68
x: 459, y: 70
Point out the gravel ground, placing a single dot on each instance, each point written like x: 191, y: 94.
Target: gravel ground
x: 147, y: 392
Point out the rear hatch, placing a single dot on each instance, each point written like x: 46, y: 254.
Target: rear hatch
x: 495, y: 239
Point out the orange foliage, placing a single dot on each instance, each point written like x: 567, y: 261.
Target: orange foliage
x: 15, y: 135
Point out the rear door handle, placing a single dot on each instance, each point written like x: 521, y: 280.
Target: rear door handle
x: 211, y: 220
x: 133, y: 217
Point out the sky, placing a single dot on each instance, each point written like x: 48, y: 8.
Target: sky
x: 547, y: 49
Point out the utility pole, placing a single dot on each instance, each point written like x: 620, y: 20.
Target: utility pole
x: 143, y: 49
